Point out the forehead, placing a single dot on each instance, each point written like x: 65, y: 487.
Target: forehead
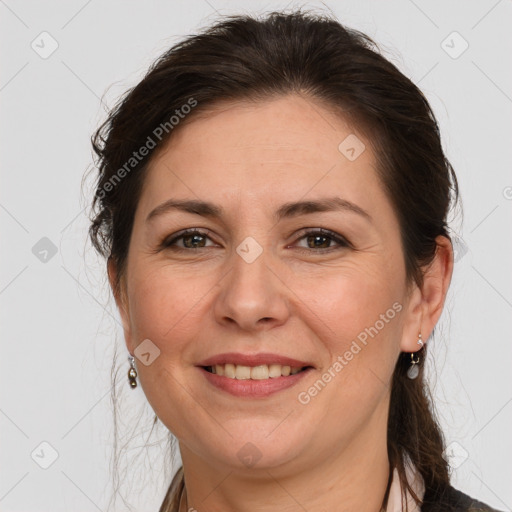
x: 279, y: 150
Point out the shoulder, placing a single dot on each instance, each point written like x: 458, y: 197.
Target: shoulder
x: 453, y: 500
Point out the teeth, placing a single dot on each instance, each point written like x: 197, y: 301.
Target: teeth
x: 229, y: 370
x: 242, y: 372
x: 261, y: 372
x: 274, y: 370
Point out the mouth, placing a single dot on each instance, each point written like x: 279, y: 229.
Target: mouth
x: 260, y: 372
x: 251, y: 376
x: 254, y: 382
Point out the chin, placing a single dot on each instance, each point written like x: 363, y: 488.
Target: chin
x: 260, y: 450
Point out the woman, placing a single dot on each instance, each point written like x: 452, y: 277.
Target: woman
x: 272, y: 199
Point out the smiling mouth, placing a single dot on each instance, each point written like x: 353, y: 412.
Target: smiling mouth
x: 260, y: 372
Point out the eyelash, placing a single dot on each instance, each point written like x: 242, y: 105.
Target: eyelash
x: 343, y: 242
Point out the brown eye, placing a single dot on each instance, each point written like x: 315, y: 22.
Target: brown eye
x: 322, y: 239
x: 318, y: 241
x: 191, y: 239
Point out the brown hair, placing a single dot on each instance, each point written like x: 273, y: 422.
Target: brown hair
x: 244, y: 58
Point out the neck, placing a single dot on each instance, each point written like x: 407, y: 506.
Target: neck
x: 354, y: 478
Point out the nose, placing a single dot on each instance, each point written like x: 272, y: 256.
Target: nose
x: 253, y: 295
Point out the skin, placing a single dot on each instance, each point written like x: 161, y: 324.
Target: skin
x: 294, y: 299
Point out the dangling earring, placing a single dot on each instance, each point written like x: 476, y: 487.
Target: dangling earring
x: 132, y: 373
x: 413, y: 370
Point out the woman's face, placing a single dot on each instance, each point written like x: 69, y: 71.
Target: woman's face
x: 253, y: 281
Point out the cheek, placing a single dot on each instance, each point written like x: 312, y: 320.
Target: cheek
x: 356, y: 315
x: 349, y: 301
x: 164, y: 306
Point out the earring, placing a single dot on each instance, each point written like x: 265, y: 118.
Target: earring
x: 132, y: 373
x: 413, y: 370
x: 420, y: 341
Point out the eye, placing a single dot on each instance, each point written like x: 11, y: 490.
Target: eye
x: 191, y: 238
x: 321, y: 239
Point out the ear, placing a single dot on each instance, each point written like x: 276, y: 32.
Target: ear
x: 426, y: 303
x: 120, y: 297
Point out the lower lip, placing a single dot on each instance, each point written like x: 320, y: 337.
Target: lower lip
x: 253, y: 388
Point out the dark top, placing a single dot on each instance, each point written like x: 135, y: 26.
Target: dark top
x: 453, y: 500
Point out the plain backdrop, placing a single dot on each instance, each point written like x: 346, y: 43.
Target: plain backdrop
x: 59, y: 61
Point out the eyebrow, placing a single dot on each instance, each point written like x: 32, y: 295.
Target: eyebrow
x: 287, y: 210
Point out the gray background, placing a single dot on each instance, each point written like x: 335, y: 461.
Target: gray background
x: 59, y: 326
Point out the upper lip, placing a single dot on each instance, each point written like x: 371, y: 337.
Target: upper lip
x: 252, y: 360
